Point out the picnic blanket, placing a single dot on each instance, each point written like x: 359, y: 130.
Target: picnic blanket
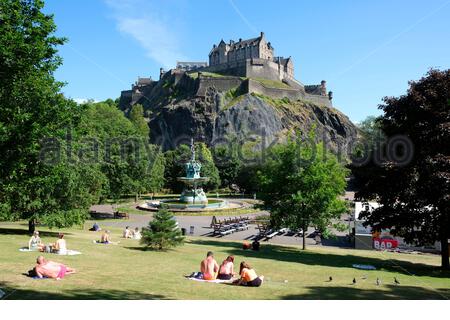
x: 68, y: 252
x: 364, y: 266
x: 213, y: 281
x: 98, y: 242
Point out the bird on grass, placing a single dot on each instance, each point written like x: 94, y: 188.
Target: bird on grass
x: 396, y: 281
x: 354, y: 280
x: 330, y: 279
x: 378, y: 282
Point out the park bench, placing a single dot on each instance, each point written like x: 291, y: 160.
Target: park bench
x: 217, y: 228
x: 121, y: 215
x: 227, y: 231
x: 270, y: 234
x: 241, y: 226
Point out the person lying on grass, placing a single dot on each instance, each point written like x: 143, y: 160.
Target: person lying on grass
x: 248, y: 276
x: 35, y: 242
x: 51, y: 269
x: 209, y: 267
x: 226, y: 270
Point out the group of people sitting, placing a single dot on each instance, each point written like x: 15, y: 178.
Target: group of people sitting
x: 210, y: 270
x: 132, y: 234
x: 36, y: 244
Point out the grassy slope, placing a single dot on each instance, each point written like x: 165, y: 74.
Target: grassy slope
x: 127, y: 272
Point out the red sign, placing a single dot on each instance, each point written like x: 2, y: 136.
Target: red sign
x: 385, y: 243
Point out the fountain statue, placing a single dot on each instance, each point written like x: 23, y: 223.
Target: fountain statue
x: 193, y: 198
x: 192, y: 192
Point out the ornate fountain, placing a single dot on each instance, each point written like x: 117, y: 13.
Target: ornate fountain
x: 192, y: 192
x: 193, y: 198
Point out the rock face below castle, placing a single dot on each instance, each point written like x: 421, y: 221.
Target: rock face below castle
x: 216, y: 109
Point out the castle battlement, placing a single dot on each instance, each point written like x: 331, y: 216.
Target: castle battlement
x: 243, y: 64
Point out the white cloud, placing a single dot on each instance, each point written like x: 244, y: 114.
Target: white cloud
x: 147, y: 26
x: 84, y: 100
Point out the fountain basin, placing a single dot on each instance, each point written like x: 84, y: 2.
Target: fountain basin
x: 179, y: 206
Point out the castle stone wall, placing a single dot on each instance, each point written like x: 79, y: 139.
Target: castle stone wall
x: 251, y: 68
x: 320, y: 100
x: 221, y: 84
x: 235, y: 68
x: 291, y: 94
x: 261, y: 68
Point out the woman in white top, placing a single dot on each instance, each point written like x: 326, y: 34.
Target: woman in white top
x: 127, y: 233
x: 60, y: 245
x: 35, y: 242
x: 137, y: 234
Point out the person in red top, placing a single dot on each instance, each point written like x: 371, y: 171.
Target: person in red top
x: 248, y: 276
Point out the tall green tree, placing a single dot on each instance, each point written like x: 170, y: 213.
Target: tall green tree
x: 32, y: 110
x: 301, y: 184
x: 137, y: 118
x: 409, y: 176
x: 209, y: 168
x: 174, y: 167
x: 130, y: 164
x: 162, y: 232
x: 228, y: 163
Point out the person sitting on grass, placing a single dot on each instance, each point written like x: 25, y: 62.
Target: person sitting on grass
x: 50, y: 269
x: 95, y: 227
x: 248, y: 276
x: 226, y: 270
x: 137, y: 234
x: 209, y: 267
x: 106, y: 237
x: 35, y: 242
x: 60, y: 247
x: 127, y: 233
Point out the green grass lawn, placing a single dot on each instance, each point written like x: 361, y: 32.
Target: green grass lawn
x: 126, y: 271
x: 272, y: 83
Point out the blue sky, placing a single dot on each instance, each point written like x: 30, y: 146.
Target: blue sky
x: 364, y: 49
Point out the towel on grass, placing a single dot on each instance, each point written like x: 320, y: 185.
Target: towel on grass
x: 213, y: 281
x: 98, y: 242
x: 364, y: 267
x: 67, y: 253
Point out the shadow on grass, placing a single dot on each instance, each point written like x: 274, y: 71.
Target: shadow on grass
x: 354, y: 293
x: 14, y: 231
x: 13, y: 293
x: 290, y: 254
x: 148, y: 249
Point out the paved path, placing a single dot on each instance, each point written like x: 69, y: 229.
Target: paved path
x: 201, y: 227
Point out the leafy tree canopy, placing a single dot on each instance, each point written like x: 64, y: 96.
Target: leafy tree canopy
x: 409, y: 176
x: 301, y: 184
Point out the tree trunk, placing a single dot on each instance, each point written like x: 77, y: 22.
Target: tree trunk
x: 444, y: 254
x: 31, y: 225
x: 304, y: 237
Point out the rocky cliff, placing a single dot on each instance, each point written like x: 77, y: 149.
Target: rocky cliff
x: 176, y: 114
